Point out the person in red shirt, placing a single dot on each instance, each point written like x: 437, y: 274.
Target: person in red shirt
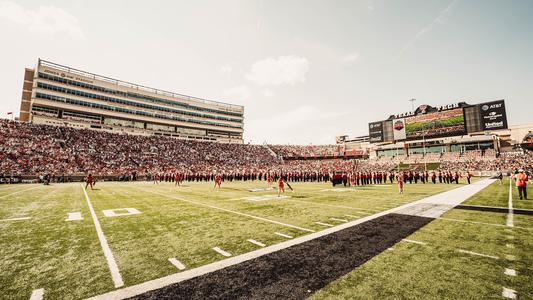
x: 400, y: 183
x: 89, y: 181
x: 218, y: 181
x: 269, y: 181
x: 177, y: 178
x: 281, y: 186
x: 521, y: 183
x: 468, y: 176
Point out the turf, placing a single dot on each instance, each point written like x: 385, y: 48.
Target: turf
x: 437, y: 270
x: 65, y: 258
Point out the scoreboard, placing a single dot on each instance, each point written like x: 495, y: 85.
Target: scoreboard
x: 432, y: 122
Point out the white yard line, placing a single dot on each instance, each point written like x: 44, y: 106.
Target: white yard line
x: 456, y: 195
x: 17, y: 192
x: 339, y: 220
x: 15, y: 219
x: 414, y: 242
x: 509, y: 272
x: 477, y: 254
x: 257, y: 243
x: 177, y: 263
x: 510, y: 222
x: 509, y: 293
x: 324, y: 224
x: 352, y: 216
x: 283, y: 235
x: 113, y: 267
x: 74, y: 216
x: 222, y: 252
x: 234, y: 212
x: 37, y: 294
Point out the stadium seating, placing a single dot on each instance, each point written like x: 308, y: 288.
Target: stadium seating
x: 29, y: 149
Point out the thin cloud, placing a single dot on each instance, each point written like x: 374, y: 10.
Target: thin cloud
x: 440, y: 19
x: 44, y: 20
x: 278, y: 71
x: 350, y: 58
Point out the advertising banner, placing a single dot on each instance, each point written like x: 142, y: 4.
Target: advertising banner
x: 398, y: 126
x: 375, y: 132
x: 493, y: 116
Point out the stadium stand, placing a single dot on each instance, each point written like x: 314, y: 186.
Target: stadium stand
x: 31, y: 150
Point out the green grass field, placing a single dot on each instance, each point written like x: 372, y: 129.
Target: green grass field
x: 65, y: 258
x: 437, y: 270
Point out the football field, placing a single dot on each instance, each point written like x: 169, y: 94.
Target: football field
x: 139, y: 239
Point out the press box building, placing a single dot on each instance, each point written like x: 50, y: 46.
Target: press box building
x: 54, y: 94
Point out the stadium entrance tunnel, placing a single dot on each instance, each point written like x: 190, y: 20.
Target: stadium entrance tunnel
x: 298, y: 271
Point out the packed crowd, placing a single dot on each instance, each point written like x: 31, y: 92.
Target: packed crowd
x: 289, y: 151
x: 35, y: 149
x: 29, y: 149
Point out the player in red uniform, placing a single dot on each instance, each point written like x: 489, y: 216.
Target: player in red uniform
x: 281, y: 186
x: 269, y: 181
x: 218, y: 181
x: 177, y: 178
x: 400, y: 183
x: 89, y: 181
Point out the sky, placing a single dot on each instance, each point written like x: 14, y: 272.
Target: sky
x: 305, y: 71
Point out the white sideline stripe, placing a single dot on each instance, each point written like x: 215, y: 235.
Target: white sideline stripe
x: 414, y: 242
x: 16, y: 219
x: 324, y: 224
x: 510, y: 222
x: 113, y: 267
x: 509, y: 293
x: 340, y: 220
x: 478, y: 254
x: 37, y: 294
x: 235, y: 212
x: 510, y: 272
x: 283, y: 235
x: 154, y: 284
x: 17, y: 192
x: 176, y: 263
x: 257, y: 243
x: 74, y: 216
x: 220, y: 251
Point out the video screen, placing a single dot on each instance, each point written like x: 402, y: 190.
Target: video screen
x: 436, y: 124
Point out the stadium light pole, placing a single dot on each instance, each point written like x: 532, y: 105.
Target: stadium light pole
x: 424, y: 147
x: 412, y: 104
